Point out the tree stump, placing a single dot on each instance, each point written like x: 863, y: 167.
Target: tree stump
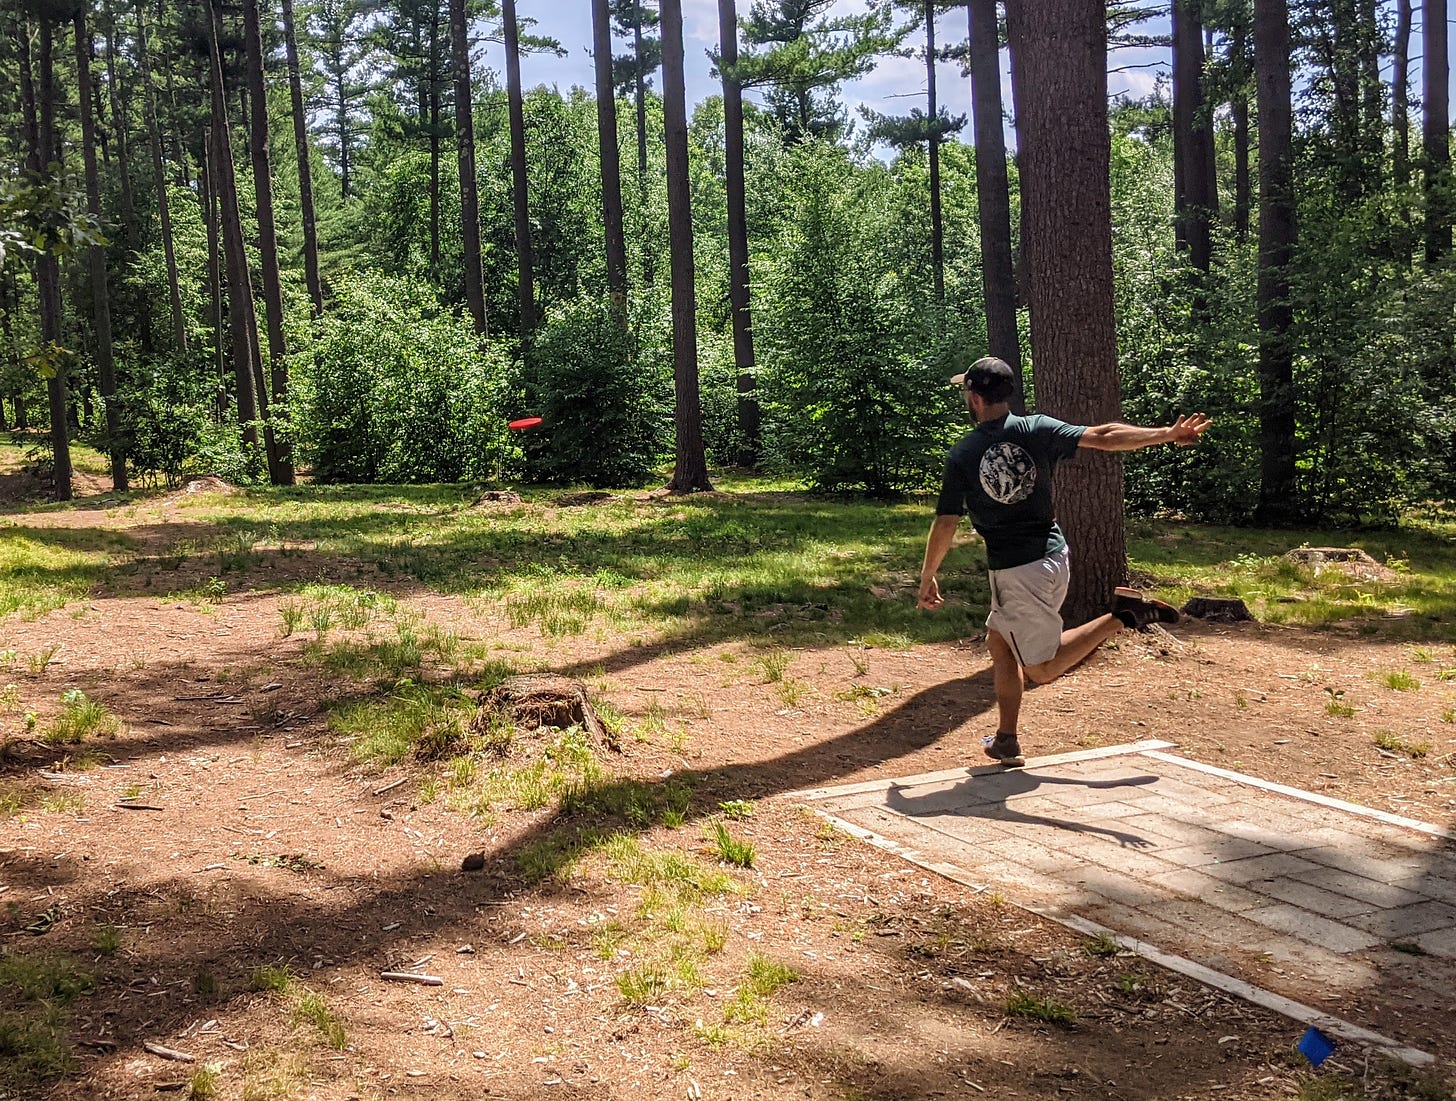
x: 542, y: 699
x: 1220, y: 609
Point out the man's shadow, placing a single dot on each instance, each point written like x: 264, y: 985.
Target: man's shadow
x: 1006, y: 783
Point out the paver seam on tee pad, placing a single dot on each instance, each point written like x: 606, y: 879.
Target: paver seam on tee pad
x: 1296, y: 1011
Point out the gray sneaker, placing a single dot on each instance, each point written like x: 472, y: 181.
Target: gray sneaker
x: 1004, y: 748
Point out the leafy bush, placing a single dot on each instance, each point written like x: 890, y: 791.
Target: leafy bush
x: 167, y: 422
x: 602, y: 389
x: 850, y: 401
x: 397, y: 389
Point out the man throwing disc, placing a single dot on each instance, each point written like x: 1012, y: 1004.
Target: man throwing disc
x: 1001, y: 474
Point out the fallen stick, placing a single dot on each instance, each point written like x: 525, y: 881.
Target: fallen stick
x: 390, y: 787
x: 409, y: 976
x: 137, y: 806
x: 168, y: 1052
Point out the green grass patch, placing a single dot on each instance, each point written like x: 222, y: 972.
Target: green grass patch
x: 80, y: 718
x: 635, y: 802
x: 205, y: 1082
x: 414, y: 718
x: 269, y: 979
x: 1399, y: 681
x: 761, y: 979
x: 36, y: 993
x: 44, y: 568
x: 1394, y: 743
x: 730, y: 849
x: 313, y: 1009
x: 1022, y: 1003
x: 1102, y: 946
x: 679, y: 878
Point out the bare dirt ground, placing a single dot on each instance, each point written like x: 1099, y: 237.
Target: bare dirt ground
x: 269, y: 846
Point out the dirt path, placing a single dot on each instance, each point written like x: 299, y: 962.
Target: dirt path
x: 272, y: 848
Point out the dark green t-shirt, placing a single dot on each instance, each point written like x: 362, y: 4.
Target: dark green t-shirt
x: 1001, y: 474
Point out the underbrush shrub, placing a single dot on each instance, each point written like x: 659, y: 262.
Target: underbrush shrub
x: 397, y: 388
x: 603, y: 389
x: 851, y: 401
x: 167, y: 423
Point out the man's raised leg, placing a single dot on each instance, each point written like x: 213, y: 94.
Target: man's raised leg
x: 1075, y: 647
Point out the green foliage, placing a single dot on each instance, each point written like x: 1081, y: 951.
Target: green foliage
x: 850, y: 400
x: 600, y: 379
x: 167, y: 423
x: 399, y: 389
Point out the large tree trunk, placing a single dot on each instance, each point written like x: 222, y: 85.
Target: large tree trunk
x: 47, y: 269
x: 214, y: 282
x: 610, y: 155
x: 749, y: 430
x: 649, y: 268
x: 526, y: 286
x: 434, y: 108
x: 1277, y: 235
x: 120, y: 125
x: 1436, y: 68
x: 244, y: 322
x: 280, y: 454
x: 305, y: 166
x: 937, y: 220
x: 1400, y: 93
x: 164, y: 217
x: 691, y: 470
x: 1239, y: 107
x: 100, y: 291
x: 993, y: 192
x: 465, y: 142
x: 1194, y: 196
x: 1060, y: 48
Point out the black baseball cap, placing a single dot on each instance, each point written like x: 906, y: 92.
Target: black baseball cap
x: 990, y: 377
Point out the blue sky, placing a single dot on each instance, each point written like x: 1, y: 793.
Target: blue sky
x: 895, y: 86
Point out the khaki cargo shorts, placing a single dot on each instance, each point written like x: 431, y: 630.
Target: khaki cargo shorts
x: 1026, y: 606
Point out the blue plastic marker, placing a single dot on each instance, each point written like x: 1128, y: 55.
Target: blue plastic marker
x: 1315, y: 1046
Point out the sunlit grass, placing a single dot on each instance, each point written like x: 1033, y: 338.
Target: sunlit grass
x: 384, y: 732
x: 1179, y: 561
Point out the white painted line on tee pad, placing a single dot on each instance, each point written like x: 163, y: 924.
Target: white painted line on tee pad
x: 1308, y: 796
x: 1257, y: 995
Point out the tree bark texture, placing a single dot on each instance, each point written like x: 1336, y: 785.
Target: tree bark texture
x: 243, y: 320
x: 610, y: 154
x: 1436, y: 67
x: 937, y: 219
x: 740, y: 293
x: 164, y: 216
x: 434, y: 108
x: 305, y: 165
x: 691, y: 470
x: 1239, y: 108
x: 993, y: 192
x: 1060, y: 50
x: 465, y: 143
x: 47, y: 269
x: 1400, y: 92
x: 214, y: 282
x: 280, y: 453
x: 100, y: 291
x: 1195, y: 195
x: 648, y: 266
x: 1277, y: 236
x: 116, y: 101
x: 526, y: 287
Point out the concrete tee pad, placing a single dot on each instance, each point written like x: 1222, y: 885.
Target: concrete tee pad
x: 1332, y: 913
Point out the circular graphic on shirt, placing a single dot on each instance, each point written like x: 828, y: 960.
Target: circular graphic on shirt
x: 1008, y: 473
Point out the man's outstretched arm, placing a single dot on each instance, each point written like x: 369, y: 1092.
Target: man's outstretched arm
x: 1185, y: 432
x: 942, y: 535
